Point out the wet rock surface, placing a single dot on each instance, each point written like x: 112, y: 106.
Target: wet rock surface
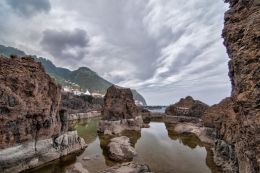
x: 117, y: 127
x: 206, y: 135
x: 187, y: 107
x: 27, y: 155
x: 129, y: 167
x: 120, y: 149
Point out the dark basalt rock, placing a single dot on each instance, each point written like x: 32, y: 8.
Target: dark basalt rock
x: 119, y: 112
x: 29, y: 102
x: 119, y: 104
x: 187, y: 107
x: 80, y: 104
x: 238, y: 128
x: 33, y: 129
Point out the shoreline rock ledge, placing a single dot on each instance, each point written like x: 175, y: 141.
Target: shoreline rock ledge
x: 119, y: 112
x: 33, y: 128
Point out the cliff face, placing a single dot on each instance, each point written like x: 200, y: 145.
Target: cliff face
x: 242, y: 39
x: 29, y: 102
x: 33, y: 129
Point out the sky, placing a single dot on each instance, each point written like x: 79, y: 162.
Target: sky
x: 166, y: 49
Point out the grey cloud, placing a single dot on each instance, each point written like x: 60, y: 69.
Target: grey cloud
x: 165, y: 49
x: 65, y: 45
x: 30, y: 7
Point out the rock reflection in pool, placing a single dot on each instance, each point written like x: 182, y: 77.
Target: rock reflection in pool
x: 96, y: 160
x: 182, y: 154
x: 164, y: 151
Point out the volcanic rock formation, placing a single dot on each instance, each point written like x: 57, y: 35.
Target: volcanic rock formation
x: 119, y: 104
x: 239, y: 139
x: 29, y: 102
x: 33, y: 130
x: 119, y: 111
x: 187, y: 107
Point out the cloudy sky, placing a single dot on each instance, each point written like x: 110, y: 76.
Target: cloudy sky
x: 166, y: 49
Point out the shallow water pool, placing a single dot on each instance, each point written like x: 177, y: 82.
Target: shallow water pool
x: 161, y: 149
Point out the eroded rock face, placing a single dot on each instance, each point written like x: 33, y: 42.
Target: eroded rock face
x: 33, y: 128
x: 242, y: 39
x: 213, y: 117
x: 29, y: 102
x: 119, y: 104
x: 187, y: 107
x: 119, y: 112
x: 120, y: 149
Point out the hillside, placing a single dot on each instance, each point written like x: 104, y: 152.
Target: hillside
x: 83, y: 76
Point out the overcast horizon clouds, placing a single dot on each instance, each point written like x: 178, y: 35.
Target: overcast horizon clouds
x: 166, y: 49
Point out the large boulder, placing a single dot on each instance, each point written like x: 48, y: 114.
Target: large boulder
x: 120, y: 149
x: 187, y: 107
x: 33, y: 128
x: 119, y: 104
x: 29, y: 102
x: 119, y: 112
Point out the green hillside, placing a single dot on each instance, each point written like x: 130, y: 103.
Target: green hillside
x: 84, y: 77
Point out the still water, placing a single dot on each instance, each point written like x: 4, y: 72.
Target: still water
x: 162, y: 150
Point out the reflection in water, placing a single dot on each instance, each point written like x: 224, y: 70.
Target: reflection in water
x: 157, y: 146
x: 181, y: 153
x: 187, y: 139
x: 57, y: 166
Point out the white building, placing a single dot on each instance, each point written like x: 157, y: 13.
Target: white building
x: 87, y: 93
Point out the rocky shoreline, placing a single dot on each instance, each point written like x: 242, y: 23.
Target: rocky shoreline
x: 33, y: 127
x: 27, y: 156
x: 35, y: 114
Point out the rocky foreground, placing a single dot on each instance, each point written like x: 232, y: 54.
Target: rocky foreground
x: 238, y: 133
x: 33, y: 128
